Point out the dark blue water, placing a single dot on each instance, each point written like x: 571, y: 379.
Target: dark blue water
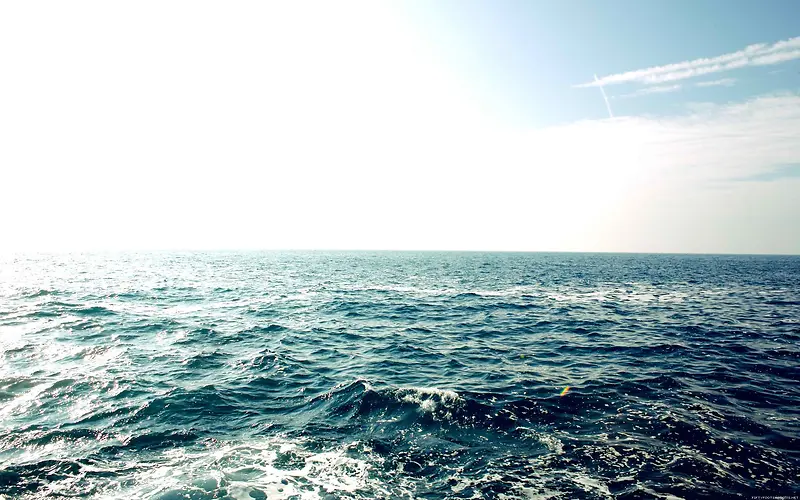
x: 399, y: 375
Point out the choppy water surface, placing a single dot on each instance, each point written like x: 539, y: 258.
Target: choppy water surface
x: 406, y: 375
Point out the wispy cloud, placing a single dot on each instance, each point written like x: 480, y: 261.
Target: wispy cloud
x: 760, y: 54
x: 717, y: 175
x: 778, y: 173
x: 722, y: 82
x: 658, y: 89
x: 776, y: 58
x: 712, y: 142
x: 724, y: 142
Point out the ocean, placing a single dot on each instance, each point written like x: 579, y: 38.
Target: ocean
x: 302, y: 375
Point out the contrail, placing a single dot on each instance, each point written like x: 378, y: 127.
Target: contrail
x: 605, y: 97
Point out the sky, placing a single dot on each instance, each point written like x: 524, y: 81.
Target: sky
x: 597, y: 126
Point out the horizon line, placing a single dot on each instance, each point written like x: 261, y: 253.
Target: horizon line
x: 382, y: 250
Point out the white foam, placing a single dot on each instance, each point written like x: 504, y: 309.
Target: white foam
x: 429, y: 399
x: 420, y: 291
x: 591, y: 483
x: 276, y: 467
x: 638, y: 293
x: 24, y: 402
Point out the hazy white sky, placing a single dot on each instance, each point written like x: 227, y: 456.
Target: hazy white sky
x: 160, y: 125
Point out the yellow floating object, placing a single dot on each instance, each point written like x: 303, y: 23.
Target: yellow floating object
x: 565, y: 391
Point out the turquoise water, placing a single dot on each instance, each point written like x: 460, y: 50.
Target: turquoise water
x: 398, y: 375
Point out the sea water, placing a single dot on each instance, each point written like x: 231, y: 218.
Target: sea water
x: 398, y: 375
